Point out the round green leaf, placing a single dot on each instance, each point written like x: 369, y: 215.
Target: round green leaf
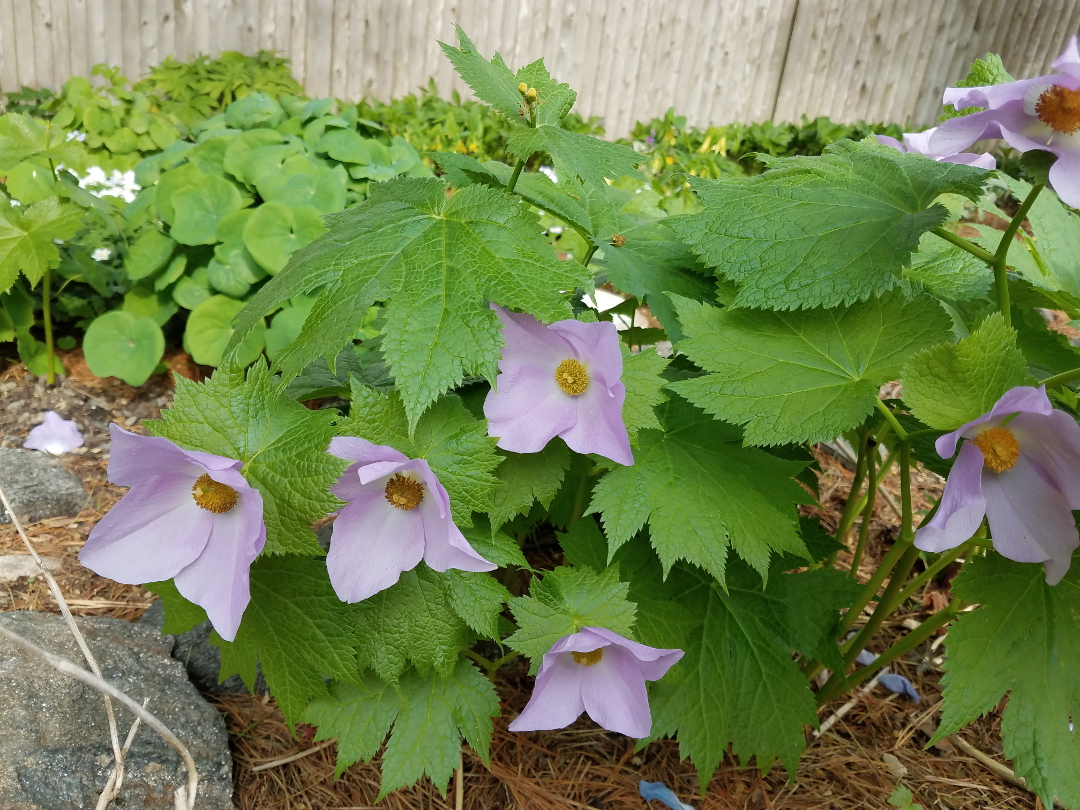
x: 231, y: 228
x: 345, y: 145
x: 175, y: 269
x: 209, y: 328
x: 268, y: 160
x: 252, y: 110
x: 170, y: 183
x: 192, y: 289
x: 122, y: 142
x: 275, y: 230
x: 232, y: 271
x: 285, y: 328
x: 120, y: 344
x: 31, y: 181
x: 144, y: 300
x: 148, y: 254
x: 322, y: 190
x: 209, y: 155
x: 200, y: 208
x: 243, y: 145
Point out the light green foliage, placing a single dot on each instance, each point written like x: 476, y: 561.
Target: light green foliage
x: 644, y: 390
x: 453, y: 442
x: 282, y: 444
x: 494, y: 546
x: 984, y: 72
x: 148, y: 254
x: 702, y: 492
x: 435, y: 260
x: 493, y: 82
x: 275, y: 231
x: 1021, y: 642
x: 200, y: 208
x: 209, y: 329
x: 822, y: 231
x: 1046, y: 352
x: 296, y: 629
x: 954, y: 383
x: 563, y: 602
x: 1057, y: 240
x: 413, y: 620
x: 27, y: 234
x: 902, y: 799
x: 947, y: 271
x: 803, y: 376
x: 119, y: 344
x: 180, y: 614
x: 738, y: 683
x: 478, y: 598
x: 525, y: 478
x: 589, y: 159
x: 430, y: 715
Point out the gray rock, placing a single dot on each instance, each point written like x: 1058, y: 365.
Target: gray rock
x: 193, y: 649
x: 37, y: 486
x: 54, y: 741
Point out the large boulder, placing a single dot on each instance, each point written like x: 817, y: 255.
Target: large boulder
x: 193, y: 649
x: 37, y: 486
x: 54, y: 741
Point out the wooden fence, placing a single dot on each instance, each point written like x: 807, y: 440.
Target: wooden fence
x: 715, y: 61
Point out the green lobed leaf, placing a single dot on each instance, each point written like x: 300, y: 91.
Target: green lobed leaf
x: 28, y: 236
x: 437, y: 262
x: 477, y: 598
x: 282, y: 444
x: 822, y: 231
x: 1056, y: 243
x: 563, y: 602
x: 953, y: 383
x: 1020, y: 642
x: 644, y: 389
x: 1047, y: 352
x: 358, y: 714
x: 804, y: 376
x: 433, y: 716
x: 525, y: 478
x: 739, y: 683
x: 180, y: 614
x: 948, y: 271
x: 701, y: 491
x: 590, y: 159
x: 413, y: 620
x: 493, y: 82
x: 296, y: 629
x: 983, y: 73
x: 453, y: 442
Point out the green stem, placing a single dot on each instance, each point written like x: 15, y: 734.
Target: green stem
x: 46, y: 314
x: 868, y: 511
x: 1064, y: 378
x: 901, y: 647
x: 589, y: 255
x: 944, y: 561
x: 851, y: 508
x: 901, y: 434
x: 580, y: 498
x: 514, y: 177
x: 964, y: 244
x: 1001, y: 279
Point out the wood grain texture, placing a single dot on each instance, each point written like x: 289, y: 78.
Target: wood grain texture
x: 714, y: 61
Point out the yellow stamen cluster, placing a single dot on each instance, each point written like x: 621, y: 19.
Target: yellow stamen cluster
x: 589, y: 659
x: 618, y: 240
x: 572, y: 377
x: 404, y: 492
x: 1060, y: 108
x: 999, y: 447
x: 214, y: 496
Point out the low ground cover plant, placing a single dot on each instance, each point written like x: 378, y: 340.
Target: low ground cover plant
x: 492, y: 408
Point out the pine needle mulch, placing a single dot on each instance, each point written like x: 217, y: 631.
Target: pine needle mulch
x: 877, y: 744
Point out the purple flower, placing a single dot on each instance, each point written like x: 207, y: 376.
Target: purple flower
x: 1020, y: 467
x: 189, y: 516
x: 55, y: 435
x: 919, y: 142
x: 1041, y: 113
x: 397, y: 514
x: 599, y: 672
x: 559, y: 380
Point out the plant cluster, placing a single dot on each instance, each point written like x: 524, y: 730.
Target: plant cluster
x: 497, y: 412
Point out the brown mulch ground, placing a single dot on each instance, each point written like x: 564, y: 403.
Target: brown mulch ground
x: 856, y: 764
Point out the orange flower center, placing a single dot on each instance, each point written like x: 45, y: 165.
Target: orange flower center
x: 589, y: 659
x: 403, y: 492
x: 572, y: 377
x: 214, y: 496
x: 1060, y: 108
x: 999, y: 447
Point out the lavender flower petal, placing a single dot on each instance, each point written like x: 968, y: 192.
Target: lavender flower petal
x: 1021, y: 399
x: 529, y: 342
x: 654, y: 662
x: 614, y: 695
x: 1053, y: 444
x: 54, y: 435
x: 661, y: 793
x: 900, y: 685
x: 556, y: 700
x: 527, y: 409
x: 963, y: 504
x: 445, y: 546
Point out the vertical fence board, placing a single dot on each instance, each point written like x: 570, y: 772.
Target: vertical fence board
x: 9, y: 56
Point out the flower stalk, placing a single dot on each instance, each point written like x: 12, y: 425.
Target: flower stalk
x: 999, y: 264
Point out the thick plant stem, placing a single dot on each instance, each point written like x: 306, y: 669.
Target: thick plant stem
x: 964, y: 244
x: 1064, y: 378
x: 589, y: 255
x: 894, y: 423
x: 905, y: 645
x: 46, y: 314
x: 868, y: 510
x: 943, y: 562
x: 851, y: 508
x: 514, y: 177
x: 999, y: 264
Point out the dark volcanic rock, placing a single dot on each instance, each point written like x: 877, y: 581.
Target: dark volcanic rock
x: 54, y: 741
x: 37, y: 486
